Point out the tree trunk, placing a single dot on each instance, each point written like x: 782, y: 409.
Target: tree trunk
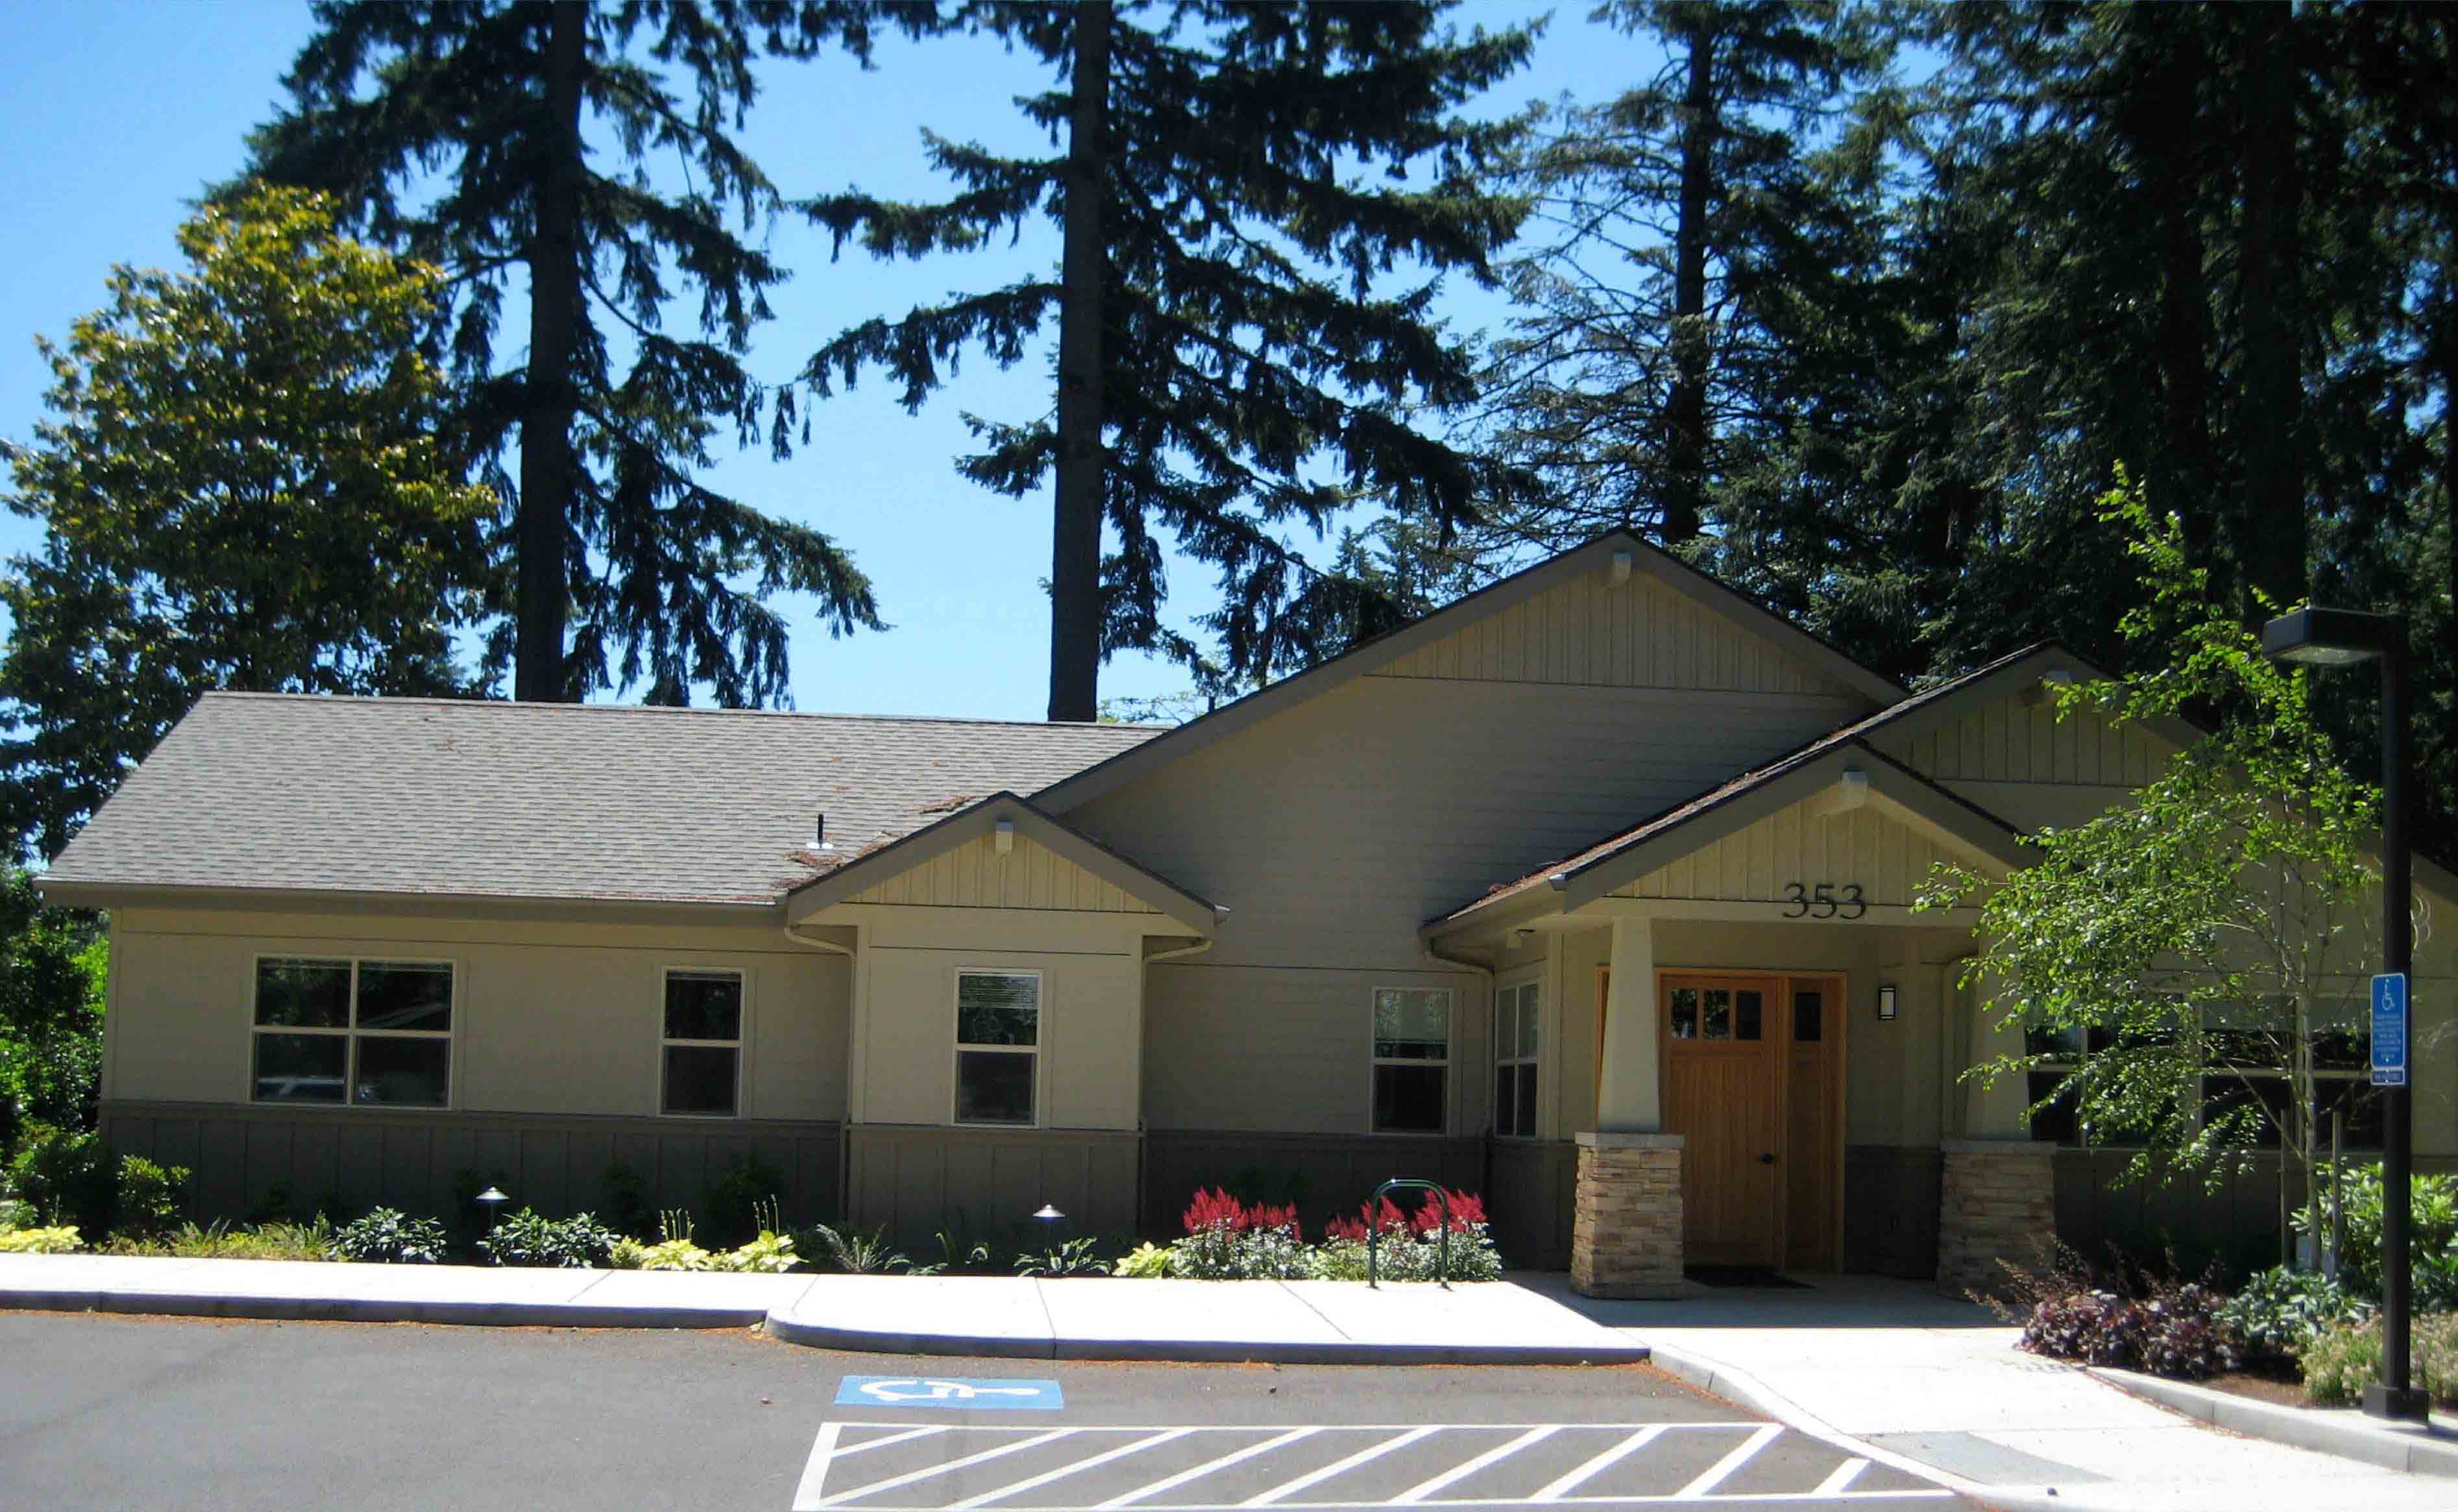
x: 2185, y: 337
x: 548, y: 479
x: 2270, y: 421
x: 1685, y: 405
x: 1076, y: 533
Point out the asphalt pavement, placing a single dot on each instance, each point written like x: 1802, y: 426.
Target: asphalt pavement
x: 102, y: 1411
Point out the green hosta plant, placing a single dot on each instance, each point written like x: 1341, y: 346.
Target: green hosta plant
x: 38, y: 1241
x: 771, y: 1254
x: 1071, y: 1257
x: 389, y: 1236
x: 2278, y: 1313
x: 1145, y: 1262
x: 530, y: 1238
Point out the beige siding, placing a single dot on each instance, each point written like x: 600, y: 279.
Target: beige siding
x: 1888, y: 862
x: 550, y: 1018
x: 1030, y: 876
x: 1639, y: 634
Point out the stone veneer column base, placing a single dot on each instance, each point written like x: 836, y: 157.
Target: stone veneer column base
x: 1626, y: 1217
x: 1997, y: 1202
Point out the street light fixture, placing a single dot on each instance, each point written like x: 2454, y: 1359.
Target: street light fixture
x: 2336, y: 638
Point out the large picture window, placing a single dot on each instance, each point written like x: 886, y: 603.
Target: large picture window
x: 356, y: 1033
x: 1516, y: 1035
x: 703, y: 1044
x: 2245, y: 1069
x: 1413, y: 1053
x: 998, y: 1040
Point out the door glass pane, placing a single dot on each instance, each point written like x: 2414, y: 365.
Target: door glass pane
x: 402, y: 995
x: 998, y: 1010
x: 703, y: 1005
x: 395, y: 1071
x: 1685, y: 1013
x: 303, y: 993
x: 1716, y: 1016
x: 300, y: 1069
x: 993, y: 1086
x: 1808, y: 1016
x: 1747, y: 1013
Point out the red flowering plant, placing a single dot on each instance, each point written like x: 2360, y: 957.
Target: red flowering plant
x: 1227, y: 1240
x: 1408, y: 1246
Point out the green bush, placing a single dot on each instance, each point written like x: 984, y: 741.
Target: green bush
x: 37, y: 1241
x: 2279, y: 1311
x: 626, y: 1206
x: 2342, y: 1361
x: 392, y: 1237
x: 737, y: 1197
x: 150, y: 1197
x: 530, y: 1238
x: 67, y: 1177
x: 15, y: 1213
x: 2432, y: 1236
x: 277, y: 1240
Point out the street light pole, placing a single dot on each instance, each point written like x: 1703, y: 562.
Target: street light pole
x: 2325, y: 637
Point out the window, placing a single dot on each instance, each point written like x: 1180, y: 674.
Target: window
x: 1516, y: 1031
x: 703, y: 1044
x: 998, y: 1036
x: 1717, y: 1012
x: 358, y: 1033
x: 1413, y: 1053
x: 2246, y: 1073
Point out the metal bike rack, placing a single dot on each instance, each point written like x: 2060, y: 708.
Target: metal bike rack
x: 1374, y: 1228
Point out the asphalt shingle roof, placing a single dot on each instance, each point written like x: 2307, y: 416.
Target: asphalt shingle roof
x: 541, y: 800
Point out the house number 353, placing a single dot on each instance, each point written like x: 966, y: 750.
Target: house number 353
x: 1825, y: 901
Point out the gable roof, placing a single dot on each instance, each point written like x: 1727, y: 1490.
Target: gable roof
x: 868, y: 870
x: 1596, y: 556
x: 462, y: 797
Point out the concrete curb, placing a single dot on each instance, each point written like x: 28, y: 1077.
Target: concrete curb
x: 2415, y: 1451
x: 367, y: 1310
x: 1194, y: 1351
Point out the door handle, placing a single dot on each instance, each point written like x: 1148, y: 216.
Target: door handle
x: 1766, y: 1160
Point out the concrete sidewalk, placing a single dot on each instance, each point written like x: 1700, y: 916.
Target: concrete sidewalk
x: 1303, y: 1322
x: 1938, y: 1386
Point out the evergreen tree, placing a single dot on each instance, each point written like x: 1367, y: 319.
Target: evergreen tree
x: 1237, y: 350
x: 462, y: 130
x: 241, y: 488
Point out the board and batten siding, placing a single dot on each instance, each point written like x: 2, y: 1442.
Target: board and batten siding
x: 1641, y: 633
x: 1890, y: 862
x: 975, y: 875
x: 2016, y: 759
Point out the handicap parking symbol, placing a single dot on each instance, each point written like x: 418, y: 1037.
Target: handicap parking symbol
x: 955, y: 1391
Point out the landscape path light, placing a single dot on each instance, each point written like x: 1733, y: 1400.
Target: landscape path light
x: 492, y: 1200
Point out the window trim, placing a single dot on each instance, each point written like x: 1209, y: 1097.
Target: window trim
x: 740, y: 1045
x: 958, y: 1048
x: 1375, y: 1063
x: 1531, y: 977
x: 350, y: 1033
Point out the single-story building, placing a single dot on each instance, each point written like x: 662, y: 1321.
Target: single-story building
x: 1590, y: 891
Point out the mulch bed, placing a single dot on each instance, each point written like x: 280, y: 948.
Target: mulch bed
x: 2261, y: 1388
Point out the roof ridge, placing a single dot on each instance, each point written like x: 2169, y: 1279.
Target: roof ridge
x: 434, y: 701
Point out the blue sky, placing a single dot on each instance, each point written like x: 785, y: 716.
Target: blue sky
x: 119, y: 113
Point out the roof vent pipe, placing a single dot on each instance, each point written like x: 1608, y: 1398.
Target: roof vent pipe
x: 820, y: 831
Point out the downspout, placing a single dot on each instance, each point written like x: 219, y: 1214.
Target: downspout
x: 1144, y: 1033
x: 853, y: 1022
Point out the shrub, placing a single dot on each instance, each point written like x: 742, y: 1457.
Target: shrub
x: 530, y: 1238
x: 1069, y: 1257
x: 279, y: 1240
x: 2340, y: 1361
x: 2279, y: 1311
x: 2141, y: 1321
x: 149, y: 1197
x: 852, y: 1252
x: 16, y: 1214
x: 626, y: 1206
x: 392, y: 1236
x: 735, y: 1197
x: 37, y: 1241
x: 2431, y: 1243
x: 1145, y: 1262
x: 67, y: 1177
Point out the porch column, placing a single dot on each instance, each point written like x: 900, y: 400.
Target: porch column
x: 1626, y: 1218
x: 1997, y: 1201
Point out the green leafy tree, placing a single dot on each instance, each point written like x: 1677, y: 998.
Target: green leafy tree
x: 241, y: 487
x: 52, y: 966
x: 1239, y: 345
x: 2187, y: 949
x: 463, y: 133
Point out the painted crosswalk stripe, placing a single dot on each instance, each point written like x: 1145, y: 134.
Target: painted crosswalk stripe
x: 1233, y: 1457
x: 1104, y: 1457
x: 926, y: 1472
x: 1458, y: 1473
x: 1580, y: 1474
x: 1318, y: 1476
x: 1714, y: 1475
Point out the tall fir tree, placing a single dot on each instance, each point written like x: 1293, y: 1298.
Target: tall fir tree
x: 1243, y: 310
x: 472, y: 133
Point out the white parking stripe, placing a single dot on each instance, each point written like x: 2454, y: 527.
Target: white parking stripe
x: 1104, y: 1457
x: 1001, y: 1451
x: 1558, y: 1489
x: 815, y: 1469
x: 846, y: 1450
x: 1235, y: 1457
x: 1841, y: 1476
x: 1493, y: 1455
x: 1759, y: 1438
x: 1318, y: 1476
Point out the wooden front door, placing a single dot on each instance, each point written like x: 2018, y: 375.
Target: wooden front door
x: 1723, y: 1074
x: 1813, y: 1096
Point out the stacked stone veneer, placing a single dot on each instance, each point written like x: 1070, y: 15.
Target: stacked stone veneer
x: 1626, y: 1216
x: 1997, y: 1203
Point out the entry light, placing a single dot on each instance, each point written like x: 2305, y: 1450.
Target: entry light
x: 1886, y: 1002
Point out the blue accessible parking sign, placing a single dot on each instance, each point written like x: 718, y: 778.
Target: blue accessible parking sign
x: 962, y: 1393
x: 2389, y: 1030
